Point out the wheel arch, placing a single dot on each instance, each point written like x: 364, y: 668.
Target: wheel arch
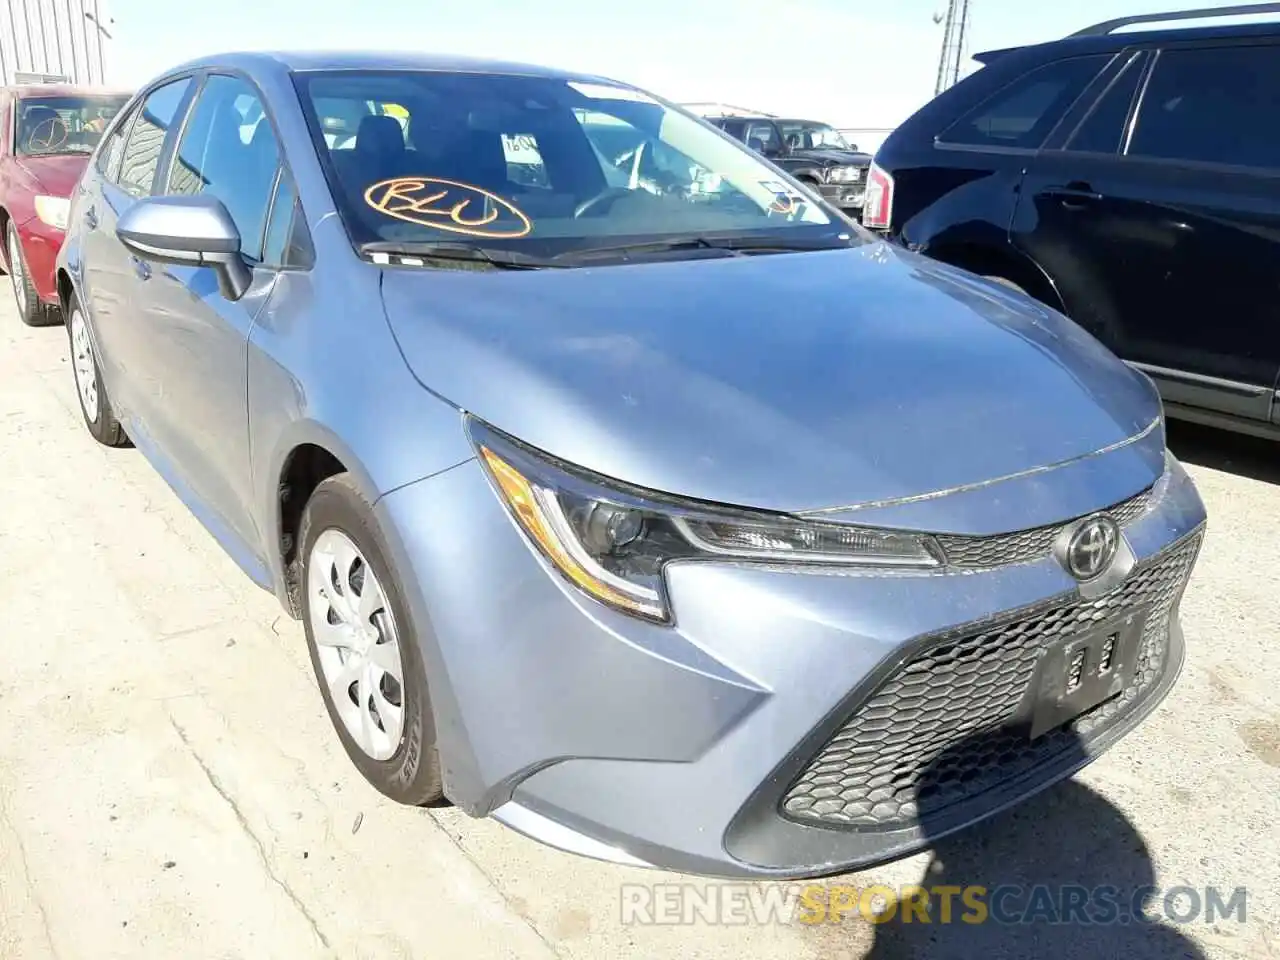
x: 308, y: 455
x: 1004, y: 261
x: 66, y: 288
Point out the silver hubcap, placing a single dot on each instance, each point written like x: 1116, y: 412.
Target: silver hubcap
x: 357, y: 643
x: 83, y: 365
x: 15, y: 272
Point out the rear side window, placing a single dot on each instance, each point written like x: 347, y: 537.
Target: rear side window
x: 1103, y: 130
x: 146, y: 139
x: 109, y: 155
x: 1023, y: 113
x: 1212, y: 105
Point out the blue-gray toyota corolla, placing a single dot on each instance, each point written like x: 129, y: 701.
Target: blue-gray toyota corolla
x: 627, y: 493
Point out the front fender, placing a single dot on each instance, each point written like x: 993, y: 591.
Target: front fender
x: 323, y: 369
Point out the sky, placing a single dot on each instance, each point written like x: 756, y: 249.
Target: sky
x: 852, y: 63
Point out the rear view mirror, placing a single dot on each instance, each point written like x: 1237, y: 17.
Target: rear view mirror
x: 196, y: 231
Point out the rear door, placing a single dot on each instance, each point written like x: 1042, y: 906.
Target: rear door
x: 128, y: 163
x: 1160, y: 222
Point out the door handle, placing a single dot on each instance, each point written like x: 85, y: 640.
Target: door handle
x: 91, y: 218
x: 141, y: 268
x: 1075, y: 195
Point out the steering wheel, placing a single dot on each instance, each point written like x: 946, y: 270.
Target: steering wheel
x: 606, y: 196
x: 48, y: 134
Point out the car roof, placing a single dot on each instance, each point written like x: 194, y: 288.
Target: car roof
x: 302, y: 61
x: 1107, y: 42
x: 22, y: 91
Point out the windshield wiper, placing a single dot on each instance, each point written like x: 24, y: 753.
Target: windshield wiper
x: 450, y: 250
x: 735, y: 246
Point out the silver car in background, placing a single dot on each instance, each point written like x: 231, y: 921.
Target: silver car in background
x: 627, y: 493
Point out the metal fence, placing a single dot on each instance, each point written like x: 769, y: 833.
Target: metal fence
x: 54, y: 41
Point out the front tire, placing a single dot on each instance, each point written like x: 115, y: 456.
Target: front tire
x: 363, y: 647
x: 95, y: 405
x: 30, y: 310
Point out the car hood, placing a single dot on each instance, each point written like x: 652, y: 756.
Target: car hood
x: 788, y: 382
x: 831, y: 155
x: 55, y: 175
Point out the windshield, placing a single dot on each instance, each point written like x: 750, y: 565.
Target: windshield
x: 536, y: 164
x: 811, y: 136
x: 52, y: 125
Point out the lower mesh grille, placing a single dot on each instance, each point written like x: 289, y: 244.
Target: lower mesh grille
x: 937, y: 732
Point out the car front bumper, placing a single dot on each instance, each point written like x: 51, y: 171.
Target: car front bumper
x: 845, y: 196
x: 793, y: 722
x: 40, y: 245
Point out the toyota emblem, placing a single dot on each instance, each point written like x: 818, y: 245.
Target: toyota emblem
x: 1092, y: 548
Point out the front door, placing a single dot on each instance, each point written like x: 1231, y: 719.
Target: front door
x: 1166, y: 247
x: 198, y: 340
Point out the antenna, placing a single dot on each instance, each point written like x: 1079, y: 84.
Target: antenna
x: 955, y: 42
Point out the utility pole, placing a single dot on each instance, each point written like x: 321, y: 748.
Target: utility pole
x: 955, y: 39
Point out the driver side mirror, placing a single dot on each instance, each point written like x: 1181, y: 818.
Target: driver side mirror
x: 194, y: 231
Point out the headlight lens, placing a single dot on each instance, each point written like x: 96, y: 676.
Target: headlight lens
x: 53, y: 211
x: 846, y: 175
x: 613, y: 541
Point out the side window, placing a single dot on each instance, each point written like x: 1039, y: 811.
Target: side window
x: 734, y: 128
x: 1103, y: 130
x: 762, y: 137
x: 146, y: 140
x: 1024, y: 112
x: 1213, y: 105
x: 288, y: 243
x: 109, y: 155
x: 229, y: 151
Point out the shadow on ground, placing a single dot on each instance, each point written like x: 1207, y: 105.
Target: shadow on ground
x: 1245, y: 456
x: 1068, y: 837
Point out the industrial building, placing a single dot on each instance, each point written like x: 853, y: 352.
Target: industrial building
x: 52, y: 41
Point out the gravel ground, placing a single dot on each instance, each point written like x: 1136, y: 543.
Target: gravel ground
x: 169, y: 784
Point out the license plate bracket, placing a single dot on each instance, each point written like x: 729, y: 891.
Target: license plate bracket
x: 1080, y: 672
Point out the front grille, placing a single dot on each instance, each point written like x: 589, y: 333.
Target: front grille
x: 1027, y: 545
x: 938, y: 731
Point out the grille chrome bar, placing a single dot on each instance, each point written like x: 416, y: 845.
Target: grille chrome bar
x: 1025, y: 546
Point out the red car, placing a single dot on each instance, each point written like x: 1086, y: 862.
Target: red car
x: 46, y: 136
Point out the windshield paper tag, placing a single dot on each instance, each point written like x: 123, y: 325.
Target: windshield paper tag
x: 604, y: 91
x: 785, y: 199
x: 448, y: 205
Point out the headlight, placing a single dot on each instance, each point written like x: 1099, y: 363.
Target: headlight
x: 613, y: 541
x: 846, y: 175
x: 53, y: 211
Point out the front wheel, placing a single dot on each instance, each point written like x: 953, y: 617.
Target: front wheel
x: 363, y: 647
x: 30, y: 310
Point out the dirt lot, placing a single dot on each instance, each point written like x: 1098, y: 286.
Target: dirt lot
x: 170, y: 787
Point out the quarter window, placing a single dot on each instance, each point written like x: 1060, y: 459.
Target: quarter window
x: 229, y: 151
x: 1023, y: 113
x: 146, y: 139
x: 1212, y: 105
x: 288, y: 243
